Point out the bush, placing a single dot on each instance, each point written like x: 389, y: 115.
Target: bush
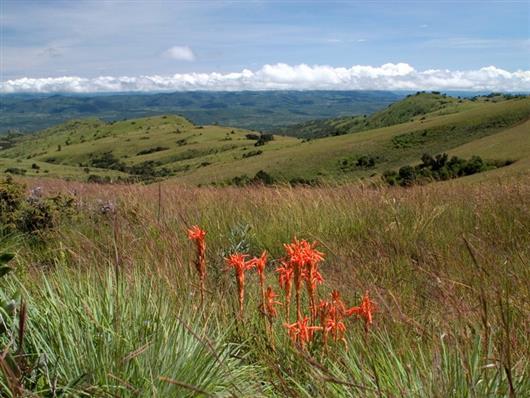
x: 365, y: 162
x: 438, y: 168
x: 107, y: 161
x: 407, y: 175
x: 263, y: 177
x: 263, y: 139
x: 252, y: 136
x: 152, y: 150
x: 31, y: 213
x: 252, y: 153
x: 304, y: 181
x: 15, y: 170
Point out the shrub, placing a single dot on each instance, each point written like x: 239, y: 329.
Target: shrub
x: 15, y: 170
x: 107, y: 161
x: 31, y: 213
x: 365, y: 162
x: 152, y: 150
x: 252, y: 136
x: 263, y: 139
x: 407, y: 175
x: 263, y: 177
x: 252, y: 153
x: 438, y: 168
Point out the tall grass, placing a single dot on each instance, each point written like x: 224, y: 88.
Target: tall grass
x: 114, y: 305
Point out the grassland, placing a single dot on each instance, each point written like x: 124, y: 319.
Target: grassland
x: 113, y: 305
x: 175, y: 148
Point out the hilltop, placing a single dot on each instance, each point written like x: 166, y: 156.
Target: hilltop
x: 413, y: 107
x: 495, y: 127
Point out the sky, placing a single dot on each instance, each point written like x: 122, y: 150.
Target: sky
x: 98, y: 45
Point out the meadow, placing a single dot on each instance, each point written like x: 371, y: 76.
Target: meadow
x: 108, y: 300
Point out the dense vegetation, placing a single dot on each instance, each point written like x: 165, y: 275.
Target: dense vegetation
x: 108, y: 303
x: 439, y: 168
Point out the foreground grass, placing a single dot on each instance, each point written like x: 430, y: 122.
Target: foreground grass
x: 113, y: 306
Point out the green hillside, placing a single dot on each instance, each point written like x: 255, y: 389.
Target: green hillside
x: 414, y: 107
x: 173, y: 147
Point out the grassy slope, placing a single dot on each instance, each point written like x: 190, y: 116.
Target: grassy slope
x: 321, y: 157
x: 213, y: 153
x: 513, y: 143
x: 126, y: 139
x: 413, y: 107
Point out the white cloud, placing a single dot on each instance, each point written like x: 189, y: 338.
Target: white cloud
x: 280, y: 76
x: 180, y: 53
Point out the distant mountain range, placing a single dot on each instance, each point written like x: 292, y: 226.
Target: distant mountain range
x: 257, y: 110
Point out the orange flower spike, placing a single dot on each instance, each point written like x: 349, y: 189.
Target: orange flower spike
x: 259, y: 263
x: 300, y: 332
x: 240, y: 265
x: 285, y: 280
x: 337, y: 328
x: 198, y: 235
x: 337, y: 302
x: 304, y: 259
x: 365, y: 310
x: 325, y: 311
x: 312, y: 278
x: 270, y: 303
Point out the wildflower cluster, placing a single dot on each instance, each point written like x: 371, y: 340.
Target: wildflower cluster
x: 299, y: 267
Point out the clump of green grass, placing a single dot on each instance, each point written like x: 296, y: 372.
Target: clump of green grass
x: 100, y: 334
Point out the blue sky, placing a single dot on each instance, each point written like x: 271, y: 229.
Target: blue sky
x: 89, y: 39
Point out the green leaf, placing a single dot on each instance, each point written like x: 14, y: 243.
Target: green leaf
x: 4, y: 269
x: 6, y: 257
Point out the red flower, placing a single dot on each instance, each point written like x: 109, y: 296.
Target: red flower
x: 302, y: 252
x: 285, y: 279
x: 332, y: 314
x: 270, y: 303
x: 301, y: 332
x: 196, y: 234
x: 240, y: 265
x: 259, y: 263
x: 365, y: 310
x: 301, y: 255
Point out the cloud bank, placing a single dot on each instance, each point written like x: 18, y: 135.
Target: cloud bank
x: 400, y: 76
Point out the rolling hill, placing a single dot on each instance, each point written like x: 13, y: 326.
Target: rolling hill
x: 413, y: 107
x: 167, y: 146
